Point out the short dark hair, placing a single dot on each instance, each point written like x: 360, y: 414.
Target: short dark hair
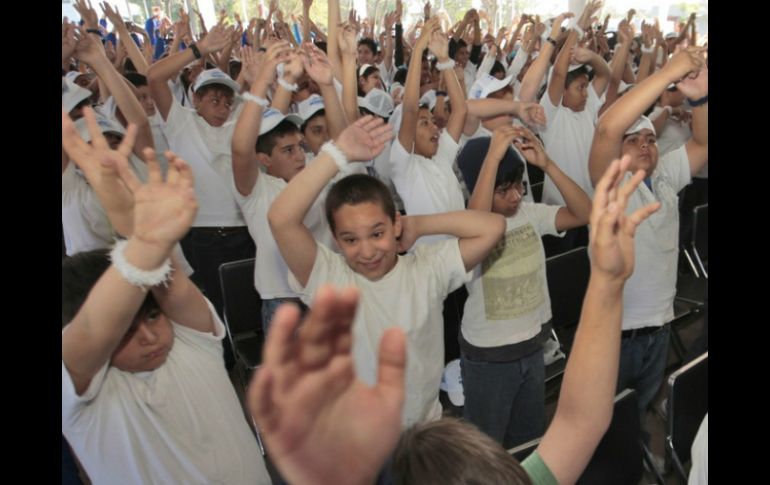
x: 471, y: 158
x: 235, y: 68
x: 357, y: 189
x: 136, y: 79
x: 497, y: 67
x: 370, y: 43
x: 128, y: 66
x: 574, y: 74
x: 268, y: 141
x: 320, y: 112
x: 79, y: 274
x: 453, y: 452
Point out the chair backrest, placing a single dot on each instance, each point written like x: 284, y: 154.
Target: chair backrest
x: 618, y: 457
x: 688, y: 403
x: 700, y: 231
x: 537, y: 191
x: 567, y: 275
x: 242, y: 303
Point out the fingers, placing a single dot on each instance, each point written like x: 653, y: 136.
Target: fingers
x: 127, y: 175
x: 127, y: 144
x: 639, y: 216
x: 97, y: 138
x: 391, y: 366
x: 260, y: 399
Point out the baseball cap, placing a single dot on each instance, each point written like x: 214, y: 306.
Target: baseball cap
x: 272, y: 117
x: 106, y: 125
x: 640, y: 124
x: 452, y: 383
x: 215, y: 76
x: 378, y: 102
x: 72, y: 94
x: 309, y: 107
x: 487, y: 84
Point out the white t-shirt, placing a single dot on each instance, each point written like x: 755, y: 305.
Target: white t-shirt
x: 483, y: 132
x: 181, y: 423
x: 410, y: 296
x: 508, y: 296
x: 567, y: 139
x: 648, y: 297
x: 85, y: 223
x: 427, y: 186
x: 199, y: 143
x: 699, y: 473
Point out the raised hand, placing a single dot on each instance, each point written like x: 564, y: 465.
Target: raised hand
x: 317, y: 64
x: 163, y: 211
x: 216, y: 40
x: 500, y: 142
x: 364, y: 139
x: 439, y: 44
x: 427, y: 33
x: 612, y: 230
x: 531, y: 147
x: 87, y: 13
x: 686, y: 62
x: 99, y: 163
x: 696, y: 84
x: 293, y: 68
x: 532, y: 114
x: 426, y: 10
x: 580, y: 55
x: 275, y: 54
x: 68, y: 41
x: 346, y: 38
x: 307, y: 400
x: 89, y: 50
x: 112, y: 15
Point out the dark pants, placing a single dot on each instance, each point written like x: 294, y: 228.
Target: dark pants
x: 69, y: 469
x: 206, y: 249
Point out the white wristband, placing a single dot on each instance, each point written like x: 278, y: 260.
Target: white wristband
x: 339, y: 158
x: 574, y: 26
x: 138, y: 277
x: 443, y: 66
x: 255, y: 99
x: 648, y: 50
x: 287, y: 86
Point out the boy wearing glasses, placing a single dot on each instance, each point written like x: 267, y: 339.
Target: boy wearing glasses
x: 508, y: 311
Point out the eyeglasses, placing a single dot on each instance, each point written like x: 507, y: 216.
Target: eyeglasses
x: 520, y: 188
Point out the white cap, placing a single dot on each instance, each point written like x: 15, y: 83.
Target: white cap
x: 309, y: 107
x: 105, y: 124
x: 640, y: 124
x: 271, y: 117
x: 72, y: 94
x: 487, y: 84
x: 363, y: 68
x: 452, y: 383
x: 394, y: 88
x: 378, y: 102
x: 215, y: 76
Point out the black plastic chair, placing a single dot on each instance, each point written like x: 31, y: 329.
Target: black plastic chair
x: 618, y: 458
x: 700, y: 238
x: 243, y: 312
x: 687, y: 405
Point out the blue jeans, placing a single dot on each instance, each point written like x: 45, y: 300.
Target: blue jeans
x: 506, y: 400
x: 270, y: 305
x: 642, y: 365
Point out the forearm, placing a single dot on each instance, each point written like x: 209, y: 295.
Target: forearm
x: 290, y: 207
x: 140, y: 63
x: 333, y: 45
x: 247, y: 127
x: 560, y: 67
x: 163, y: 70
x: 349, y: 88
x: 459, y: 111
x: 182, y: 302
x: 489, y: 107
x: 128, y: 103
x: 594, y: 358
x: 530, y: 84
x: 700, y: 125
x: 467, y: 224
x: 483, y: 193
x: 306, y: 22
x: 281, y: 99
x: 333, y: 112
x: 576, y: 200
x: 644, y: 68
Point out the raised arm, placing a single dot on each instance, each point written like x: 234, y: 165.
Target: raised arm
x: 618, y: 63
x: 577, y: 209
x: 561, y: 66
x: 439, y: 47
x: 90, y: 51
x: 696, y: 88
x: 483, y: 193
x: 477, y: 231
x: 387, y: 56
x: 601, y: 69
x: 347, y: 43
x: 332, y: 45
x: 140, y: 63
x: 408, y: 129
x: 162, y: 71
x: 292, y: 71
x: 613, y: 124
x: 530, y: 84
x: 260, y: 73
x: 361, y: 141
x: 163, y: 213
x: 306, y: 4
x: 319, y: 69
x: 585, y: 404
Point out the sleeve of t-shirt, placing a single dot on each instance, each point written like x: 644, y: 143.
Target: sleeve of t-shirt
x: 549, y: 108
x: 538, y: 471
x: 177, y: 119
x: 594, y: 102
x: 543, y: 218
x: 445, y: 262
x: 328, y: 267
x: 676, y: 165
x: 447, y: 149
x: 399, y: 160
x: 207, y: 341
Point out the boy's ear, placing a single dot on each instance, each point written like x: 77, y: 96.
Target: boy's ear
x: 397, y: 225
x: 264, y: 160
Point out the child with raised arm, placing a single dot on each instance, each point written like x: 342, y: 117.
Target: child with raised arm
x: 396, y: 290
x: 306, y: 399
x: 508, y: 311
x: 648, y: 299
x: 145, y: 396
